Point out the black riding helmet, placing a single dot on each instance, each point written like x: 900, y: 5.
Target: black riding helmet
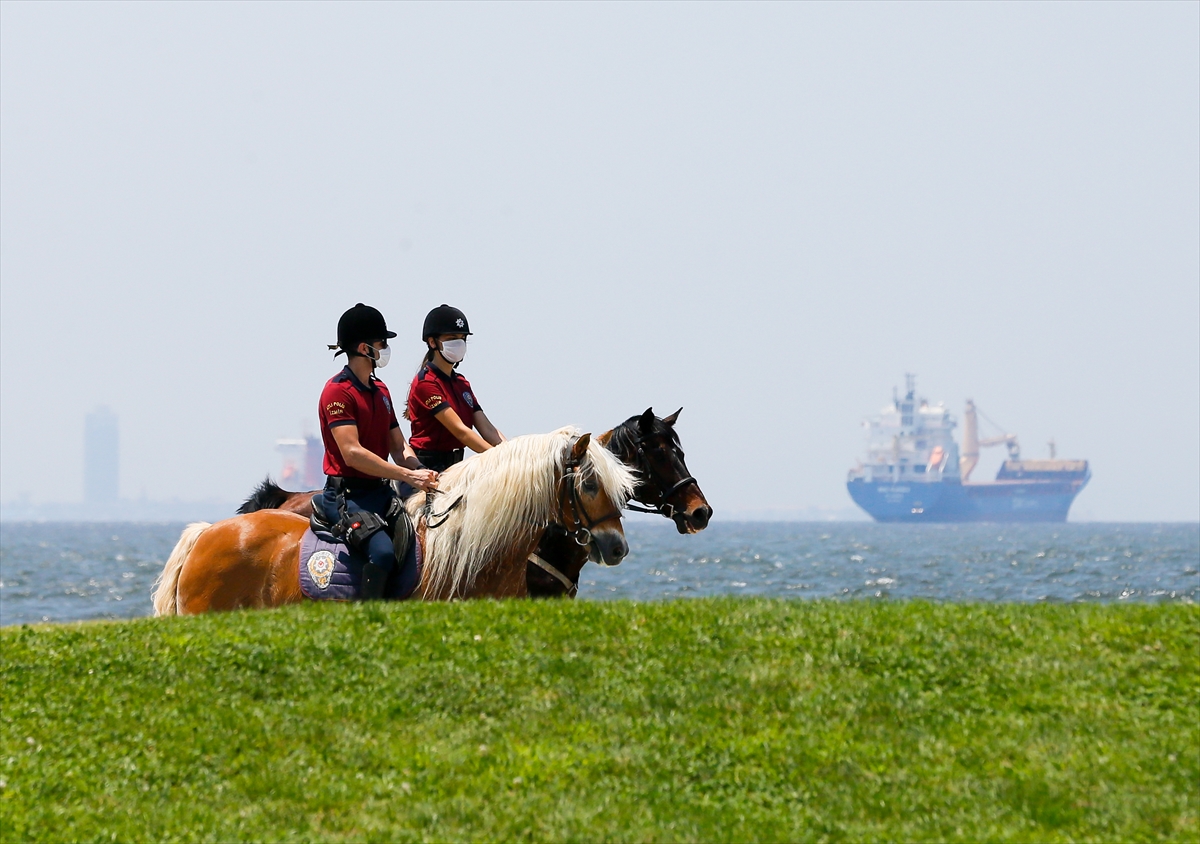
x: 360, y: 324
x: 444, y: 320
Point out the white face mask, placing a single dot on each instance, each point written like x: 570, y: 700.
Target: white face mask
x: 385, y: 354
x: 454, y: 350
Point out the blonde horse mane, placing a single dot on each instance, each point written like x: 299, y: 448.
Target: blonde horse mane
x: 509, y: 495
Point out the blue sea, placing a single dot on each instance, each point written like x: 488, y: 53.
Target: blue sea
x: 69, y: 572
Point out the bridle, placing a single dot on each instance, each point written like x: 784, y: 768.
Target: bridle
x: 656, y: 481
x: 581, y: 524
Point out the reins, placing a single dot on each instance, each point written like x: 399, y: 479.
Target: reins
x: 442, y: 516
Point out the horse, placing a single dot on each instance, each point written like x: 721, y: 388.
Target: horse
x: 646, y: 443
x: 650, y: 446
x: 476, y: 532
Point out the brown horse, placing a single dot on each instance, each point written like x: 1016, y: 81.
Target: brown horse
x: 647, y: 444
x: 476, y: 533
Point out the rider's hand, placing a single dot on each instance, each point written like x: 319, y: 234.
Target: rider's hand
x: 425, y: 479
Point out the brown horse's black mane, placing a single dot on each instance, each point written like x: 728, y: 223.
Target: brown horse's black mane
x: 268, y: 495
x: 633, y: 431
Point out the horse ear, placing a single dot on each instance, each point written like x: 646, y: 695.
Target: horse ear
x: 605, y: 438
x: 670, y: 420
x: 580, y: 448
x: 646, y: 421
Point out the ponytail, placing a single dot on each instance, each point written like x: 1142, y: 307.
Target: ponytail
x: 424, y: 362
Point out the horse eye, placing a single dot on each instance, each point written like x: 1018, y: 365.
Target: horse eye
x: 590, y: 487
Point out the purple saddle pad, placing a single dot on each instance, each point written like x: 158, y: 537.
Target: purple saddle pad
x: 330, y: 571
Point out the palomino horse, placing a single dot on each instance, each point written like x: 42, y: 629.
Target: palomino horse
x: 649, y: 445
x: 476, y: 533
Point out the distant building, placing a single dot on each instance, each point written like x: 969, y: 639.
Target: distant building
x: 314, y: 463
x: 101, y: 457
x: 301, y: 469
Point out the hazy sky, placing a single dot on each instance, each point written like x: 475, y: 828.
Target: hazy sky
x: 764, y: 213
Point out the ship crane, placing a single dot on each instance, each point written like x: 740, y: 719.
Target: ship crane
x: 972, y: 443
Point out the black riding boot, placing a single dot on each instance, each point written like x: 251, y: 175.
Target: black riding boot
x: 374, y: 578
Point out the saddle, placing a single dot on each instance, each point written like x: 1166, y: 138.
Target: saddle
x: 331, y: 564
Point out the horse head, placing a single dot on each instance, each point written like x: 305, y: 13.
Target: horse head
x: 651, y: 446
x: 592, y: 491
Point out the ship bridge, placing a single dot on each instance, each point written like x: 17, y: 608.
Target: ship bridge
x: 910, y: 440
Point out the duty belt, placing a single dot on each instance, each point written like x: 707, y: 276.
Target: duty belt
x: 340, y: 484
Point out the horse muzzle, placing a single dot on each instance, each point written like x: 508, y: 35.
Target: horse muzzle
x: 608, y: 547
x: 694, y: 520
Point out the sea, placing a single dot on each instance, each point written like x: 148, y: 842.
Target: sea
x: 64, y: 572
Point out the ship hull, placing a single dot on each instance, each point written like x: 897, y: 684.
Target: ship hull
x: 951, y: 501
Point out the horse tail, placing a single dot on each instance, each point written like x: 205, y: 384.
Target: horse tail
x: 268, y: 495
x: 166, y: 588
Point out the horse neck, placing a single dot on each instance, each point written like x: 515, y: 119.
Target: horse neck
x: 625, y: 450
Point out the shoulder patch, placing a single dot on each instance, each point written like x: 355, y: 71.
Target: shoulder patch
x: 434, y: 401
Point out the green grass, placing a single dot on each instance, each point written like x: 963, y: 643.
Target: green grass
x: 710, y: 720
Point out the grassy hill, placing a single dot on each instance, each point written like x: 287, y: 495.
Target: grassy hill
x: 697, y: 720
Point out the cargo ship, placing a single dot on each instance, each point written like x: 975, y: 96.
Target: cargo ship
x: 914, y: 471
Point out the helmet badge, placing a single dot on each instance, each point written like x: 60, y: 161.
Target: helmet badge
x: 459, y: 323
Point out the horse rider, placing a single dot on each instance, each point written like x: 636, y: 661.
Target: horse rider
x: 359, y: 430
x: 442, y: 407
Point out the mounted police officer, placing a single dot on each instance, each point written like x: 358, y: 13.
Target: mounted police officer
x: 359, y: 430
x: 444, y: 411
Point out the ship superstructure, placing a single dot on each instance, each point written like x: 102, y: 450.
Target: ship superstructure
x: 914, y: 472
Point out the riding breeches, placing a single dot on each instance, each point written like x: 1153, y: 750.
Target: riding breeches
x: 379, y: 548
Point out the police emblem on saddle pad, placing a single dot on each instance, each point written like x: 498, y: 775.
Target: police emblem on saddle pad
x: 329, y: 571
x: 320, y: 568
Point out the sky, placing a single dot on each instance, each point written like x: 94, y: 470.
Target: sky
x: 763, y: 213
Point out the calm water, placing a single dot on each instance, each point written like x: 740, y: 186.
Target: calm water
x: 67, y: 572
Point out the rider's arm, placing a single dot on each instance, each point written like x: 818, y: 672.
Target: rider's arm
x: 487, y: 430
x: 402, y: 452
x: 461, y: 432
x: 365, y: 461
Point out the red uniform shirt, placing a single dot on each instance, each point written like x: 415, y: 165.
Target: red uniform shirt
x: 348, y: 401
x: 431, y: 393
